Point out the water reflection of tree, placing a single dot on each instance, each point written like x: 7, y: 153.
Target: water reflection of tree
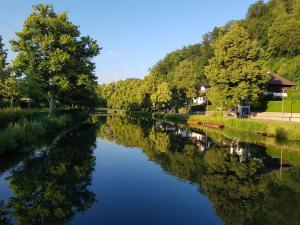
x: 281, y: 205
x: 51, y: 186
x: 233, y: 187
x: 175, y: 155
x: 239, y: 191
x: 4, y: 214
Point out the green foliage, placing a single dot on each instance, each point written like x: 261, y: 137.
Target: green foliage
x: 32, y: 129
x: 161, y: 96
x: 52, y: 54
x: 3, y: 60
x: 284, y: 36
x: 235, y: 72
x: 186, y: 79
x: 236, y: 57
x: 53, y: 185
x: 14, y: 115
x: 123, y: 94
x: 232, y: 186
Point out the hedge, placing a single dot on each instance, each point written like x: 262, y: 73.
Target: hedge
x: 276, y: 106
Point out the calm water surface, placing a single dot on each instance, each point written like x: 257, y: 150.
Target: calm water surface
x: 115, y: 170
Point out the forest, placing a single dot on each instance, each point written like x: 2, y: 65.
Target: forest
x: 234, y: 59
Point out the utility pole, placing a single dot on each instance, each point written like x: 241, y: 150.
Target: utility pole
x: 206, y: 105
x: 282, y: 104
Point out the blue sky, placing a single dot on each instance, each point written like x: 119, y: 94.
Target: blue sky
x: 134, y: 34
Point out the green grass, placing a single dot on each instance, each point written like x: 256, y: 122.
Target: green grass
x: 276, y: 106
x: 31, y: 131
x: 292, y: 129
x: 12, y: 115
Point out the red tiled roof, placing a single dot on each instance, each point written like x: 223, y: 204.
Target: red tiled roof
x: 279, y: 80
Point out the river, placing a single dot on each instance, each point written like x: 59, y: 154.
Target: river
x: 115, y: 170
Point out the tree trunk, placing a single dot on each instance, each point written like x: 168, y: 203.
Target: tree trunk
x: 51, y: 101
x: 11, y: 102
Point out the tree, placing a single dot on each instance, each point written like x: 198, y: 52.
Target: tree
x: 9, y: 88
x: 124, y: 94
x: 284, y: 37
x: 186, y: 79
x: 8, y: 80
x: 161, y: 96
x: 3, y: 58
x: 51, y: 52
x: 235, y: 72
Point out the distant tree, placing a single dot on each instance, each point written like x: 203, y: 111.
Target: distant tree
x: 10, y: 89
x: 162, y: 95
x: 149, y: 88
x: 235, y: 72
x: 8, y: 81
x: 124, y: 94
x: 3, y: 60
x: 51, y: 51
x: 185, y: 78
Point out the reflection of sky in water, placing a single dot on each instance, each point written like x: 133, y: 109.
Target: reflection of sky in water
x: 132, y: 190
x: 5, y: 192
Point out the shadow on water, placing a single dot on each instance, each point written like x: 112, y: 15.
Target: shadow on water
x: 241, y: 179
x: 52, y: 184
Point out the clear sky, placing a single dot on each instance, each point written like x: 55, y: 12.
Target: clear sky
x: 134, y: 34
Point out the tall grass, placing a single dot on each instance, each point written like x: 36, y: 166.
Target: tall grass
x: 31, y: 131
x: 12, y: 115
x: 270, y: 127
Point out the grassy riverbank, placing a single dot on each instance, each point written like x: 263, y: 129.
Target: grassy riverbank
x: 273, y: 128
x: 25, y: 130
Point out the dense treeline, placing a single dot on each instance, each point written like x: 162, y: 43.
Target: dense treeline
x: 233, y: 58
x: 53, y: 65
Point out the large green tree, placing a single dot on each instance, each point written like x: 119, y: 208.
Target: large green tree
x: 235, y: 72
x: 51, y: 52
x: 162, y: 96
